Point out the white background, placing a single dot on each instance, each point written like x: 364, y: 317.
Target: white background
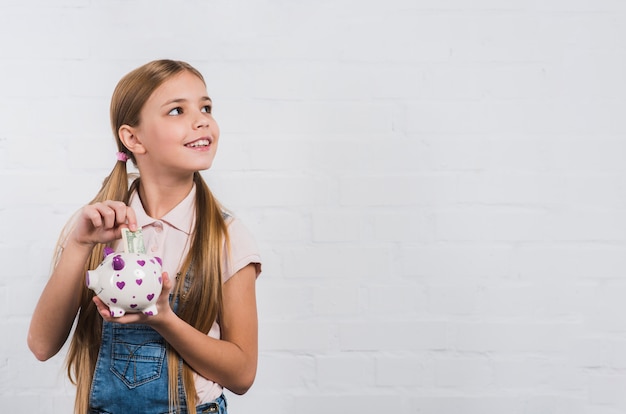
x: 438, y: 189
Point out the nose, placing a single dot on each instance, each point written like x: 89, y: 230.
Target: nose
x: 201, y: 121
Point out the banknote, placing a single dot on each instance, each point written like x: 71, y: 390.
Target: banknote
x: 133, y: 241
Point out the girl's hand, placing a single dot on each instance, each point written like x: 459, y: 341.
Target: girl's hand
x: 103, y: 222
x: 163, y: 308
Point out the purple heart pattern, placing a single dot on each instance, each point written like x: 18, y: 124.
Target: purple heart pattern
x: 127, y: 282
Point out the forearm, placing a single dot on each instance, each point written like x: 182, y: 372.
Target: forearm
x: 59, y: 302
x: 231, y: 365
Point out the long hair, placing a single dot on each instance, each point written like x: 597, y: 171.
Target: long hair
x: 201, y: 305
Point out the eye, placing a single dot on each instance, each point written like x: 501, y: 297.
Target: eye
x: 206, y: 108
x: 176, y: 111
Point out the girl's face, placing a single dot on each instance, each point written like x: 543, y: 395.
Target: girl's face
x: 177, y: 131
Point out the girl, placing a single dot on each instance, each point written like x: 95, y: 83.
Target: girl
x: 204, y: 336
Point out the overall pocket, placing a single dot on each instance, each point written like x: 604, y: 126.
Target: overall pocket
x: 137, y: 354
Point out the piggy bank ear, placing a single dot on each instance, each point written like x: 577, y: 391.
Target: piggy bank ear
x: 118, y: 262
x: 107, y: 251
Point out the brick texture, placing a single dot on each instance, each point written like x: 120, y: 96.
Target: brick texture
x: 438, y: 189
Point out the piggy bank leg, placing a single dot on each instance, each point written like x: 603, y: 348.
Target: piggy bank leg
x: 150, y: 310
x: 116, y: 312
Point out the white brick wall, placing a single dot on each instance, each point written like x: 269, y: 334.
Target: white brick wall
x: 438, y: 189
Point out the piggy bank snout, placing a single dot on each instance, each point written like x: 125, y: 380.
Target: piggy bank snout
x: 91, y: 279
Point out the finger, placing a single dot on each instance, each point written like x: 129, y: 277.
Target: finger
x: 92, y: 214
x: 119, y: 212
x: 107, y: 315
x: 131, y: 219
x: 103, y: 309
x: 167, y: 283
x: 166, y: 287
x: 107, y: 213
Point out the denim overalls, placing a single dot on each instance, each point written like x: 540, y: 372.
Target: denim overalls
x: 131, y: 374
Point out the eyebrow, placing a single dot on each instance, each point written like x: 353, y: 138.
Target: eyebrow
x: 182, y: 100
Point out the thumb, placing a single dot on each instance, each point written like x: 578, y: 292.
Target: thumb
x: 167, y: 283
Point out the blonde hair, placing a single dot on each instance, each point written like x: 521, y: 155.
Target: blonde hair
x: 204, y: 296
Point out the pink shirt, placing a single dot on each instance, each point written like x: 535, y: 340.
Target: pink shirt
x: 168, y: 238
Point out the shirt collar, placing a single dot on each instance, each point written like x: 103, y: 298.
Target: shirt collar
x: 181, y: 217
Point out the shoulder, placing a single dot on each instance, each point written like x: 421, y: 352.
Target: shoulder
x: 237, y: 230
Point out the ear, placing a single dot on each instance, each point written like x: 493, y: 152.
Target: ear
x: 128, y: 136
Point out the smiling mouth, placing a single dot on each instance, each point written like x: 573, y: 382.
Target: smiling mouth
x: 204, y: 142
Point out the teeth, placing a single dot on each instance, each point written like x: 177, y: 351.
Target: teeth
x: 199, y: 143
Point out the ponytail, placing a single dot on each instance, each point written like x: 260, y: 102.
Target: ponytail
x: 85, y: 343
x: 200, y: 305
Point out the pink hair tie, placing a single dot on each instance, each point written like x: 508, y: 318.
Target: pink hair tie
x: 122, y: 156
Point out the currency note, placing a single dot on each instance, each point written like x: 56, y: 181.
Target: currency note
x: 133, y: 241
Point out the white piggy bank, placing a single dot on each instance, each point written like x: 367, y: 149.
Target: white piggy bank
x: 127, y: 282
